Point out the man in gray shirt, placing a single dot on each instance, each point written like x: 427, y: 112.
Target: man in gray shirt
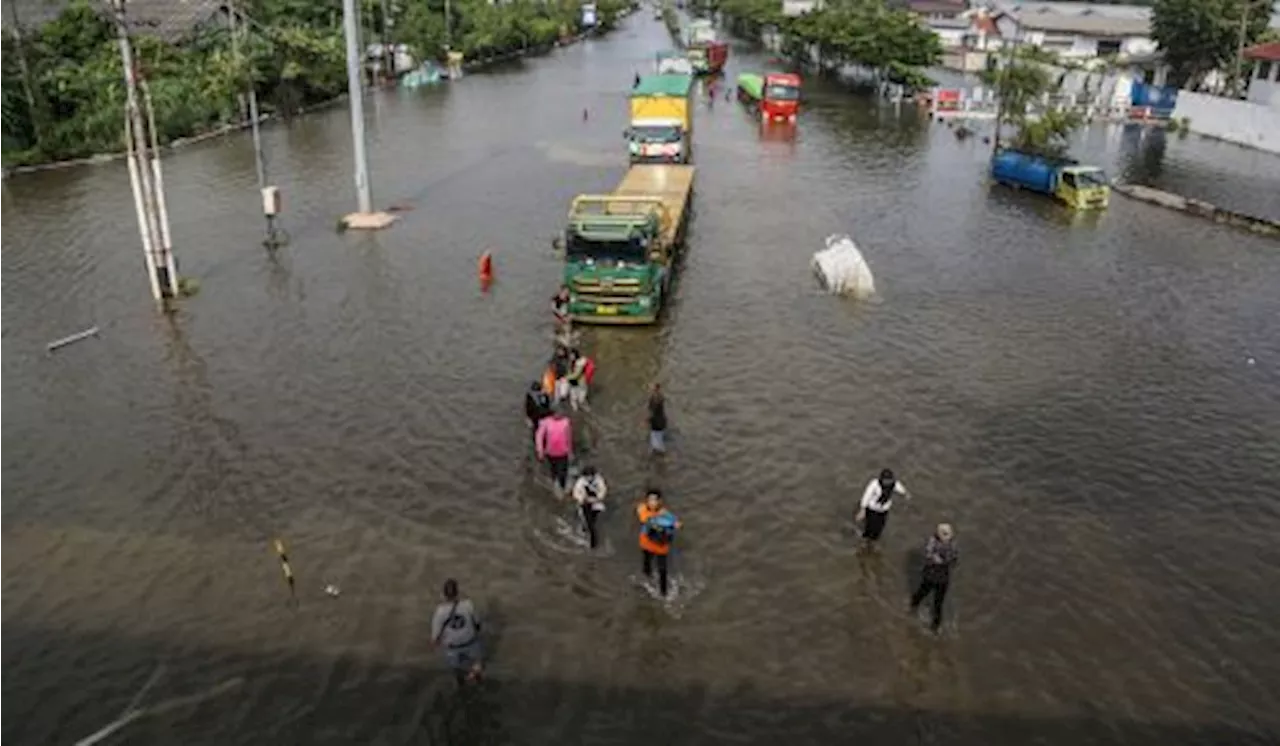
x: 455, y: 627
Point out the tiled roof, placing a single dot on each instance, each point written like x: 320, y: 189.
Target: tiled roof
x: 1269, y: 51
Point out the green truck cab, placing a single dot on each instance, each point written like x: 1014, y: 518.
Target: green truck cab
x: 621, y: 248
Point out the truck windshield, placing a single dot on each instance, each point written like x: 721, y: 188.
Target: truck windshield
x: 656, y: 133
x: 697, y: 54
x: 778, y: 92
x: 1092, y: 179
x: 631, y: 251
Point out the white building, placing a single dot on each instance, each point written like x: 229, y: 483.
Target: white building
x: 1078, y: 30
x: 1264, y: 82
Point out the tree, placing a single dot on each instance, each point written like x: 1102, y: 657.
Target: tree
x: 1199, y: 36
x: 1024, y: 84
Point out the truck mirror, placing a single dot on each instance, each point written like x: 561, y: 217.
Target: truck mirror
x: 626, y: 134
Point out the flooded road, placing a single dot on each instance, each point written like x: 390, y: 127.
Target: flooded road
x: 1074, y: 393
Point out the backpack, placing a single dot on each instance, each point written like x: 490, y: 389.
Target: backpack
x: 661, y: 528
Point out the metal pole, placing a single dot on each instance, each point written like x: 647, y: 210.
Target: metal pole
x: 388, y: 56
x: 448, y: 25
x: 149, y: 226
x: 1244, y: 28
x: 351, y: 22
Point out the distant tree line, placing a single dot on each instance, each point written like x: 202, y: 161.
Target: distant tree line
x: 868, y: 33
x: 63, y: 86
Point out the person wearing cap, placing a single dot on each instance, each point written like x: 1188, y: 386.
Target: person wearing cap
x: 455, y: 628
x: 877, y: 499
x: 940, y: 558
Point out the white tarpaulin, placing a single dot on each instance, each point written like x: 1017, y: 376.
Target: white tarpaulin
x: 842, y: 270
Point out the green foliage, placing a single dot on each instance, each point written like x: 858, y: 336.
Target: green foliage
x: 1022, y: 84
x: 1198, y: 36
x: 70, y: 102
x: 846, y: 32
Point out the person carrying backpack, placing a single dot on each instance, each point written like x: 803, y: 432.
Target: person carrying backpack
x: 455, y: 626
x: 658, y: 528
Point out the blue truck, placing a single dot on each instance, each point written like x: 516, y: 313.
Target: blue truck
x: 1079, y: 187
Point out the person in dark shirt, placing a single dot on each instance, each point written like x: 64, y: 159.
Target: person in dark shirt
x: 940, y: 558
x: 657, y: 420
x: 536, y: 406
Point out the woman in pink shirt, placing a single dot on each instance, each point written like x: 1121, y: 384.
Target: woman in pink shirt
x: 554, y: 442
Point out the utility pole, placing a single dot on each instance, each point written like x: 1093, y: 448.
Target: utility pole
x: 388, y: 56
x: 270, y: 194
x: 145, y: 176
x: 1244, y: 29
x: 365, y: 217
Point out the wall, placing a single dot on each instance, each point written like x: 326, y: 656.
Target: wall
x: 1264, y: 84
x: 1240, y: 122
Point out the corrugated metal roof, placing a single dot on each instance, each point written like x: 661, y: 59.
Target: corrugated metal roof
x: 663, y: 85
x: 169, y: 19
x: 1081, y: 18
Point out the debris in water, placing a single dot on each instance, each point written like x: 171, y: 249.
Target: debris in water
x: 59, y: 343
x: 842, y: 270
x: 332, y: 590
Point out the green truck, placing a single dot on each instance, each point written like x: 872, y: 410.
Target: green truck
x: 621, y: 248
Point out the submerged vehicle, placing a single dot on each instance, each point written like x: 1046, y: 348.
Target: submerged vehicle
x: 621, y: 249
x: 661, y: 128
x: 776, y: 96
x: 1079, y: 187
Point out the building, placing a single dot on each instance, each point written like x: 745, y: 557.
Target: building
x: 793, y: 8
x: 1264, y: 81
x: 1078, y: 31
x: 170, y: 20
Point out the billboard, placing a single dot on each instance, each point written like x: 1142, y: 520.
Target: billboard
x: 588, y: 15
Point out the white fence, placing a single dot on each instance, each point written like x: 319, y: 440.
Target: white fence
x: 1240, y: 122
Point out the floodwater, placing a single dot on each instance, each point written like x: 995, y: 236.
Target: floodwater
x: 1093, y: 401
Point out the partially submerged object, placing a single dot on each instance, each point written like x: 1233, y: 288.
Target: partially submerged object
x: 842, y: 270
x: 78, y: 336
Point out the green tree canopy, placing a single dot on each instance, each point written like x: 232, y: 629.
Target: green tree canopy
x: 1199, y: 36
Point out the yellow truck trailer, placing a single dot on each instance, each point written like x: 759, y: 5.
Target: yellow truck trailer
x: 621, y: 249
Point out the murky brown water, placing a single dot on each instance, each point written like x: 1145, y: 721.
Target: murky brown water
x: 1074, y: 393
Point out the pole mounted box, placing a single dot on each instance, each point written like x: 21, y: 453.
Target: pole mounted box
x: 271, y: 201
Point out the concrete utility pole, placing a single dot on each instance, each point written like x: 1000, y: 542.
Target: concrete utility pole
x: 145, y: 175
x: 1240, y: 84
x: 365, y: 218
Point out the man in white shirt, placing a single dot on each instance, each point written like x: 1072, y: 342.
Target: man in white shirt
x: 877, y: 499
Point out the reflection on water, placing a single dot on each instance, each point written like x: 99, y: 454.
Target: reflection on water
x: 1072, y: 392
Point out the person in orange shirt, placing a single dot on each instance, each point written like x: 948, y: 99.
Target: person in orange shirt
x: 658, y: 528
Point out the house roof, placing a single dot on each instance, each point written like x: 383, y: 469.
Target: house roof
x: 1267, y: 52
x: 1081, y: 18
x: 937, y: 7
x: 169, y: 19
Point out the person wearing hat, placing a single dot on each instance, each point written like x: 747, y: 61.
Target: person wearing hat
x: 455, y: 627
x: 877, y: 498
x: 940, y: 558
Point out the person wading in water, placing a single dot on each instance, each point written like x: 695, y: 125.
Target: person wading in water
x: 657, y: 420
x: 455, y: 627
x: 589, y: 491
x: 554, y: 442
x: 658, y: 528
x: 536, y: 406
x: 873, y: 509
x: 940, y: 558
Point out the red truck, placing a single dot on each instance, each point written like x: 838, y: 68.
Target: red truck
x: 776, y: 95
x: 708, y: 57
